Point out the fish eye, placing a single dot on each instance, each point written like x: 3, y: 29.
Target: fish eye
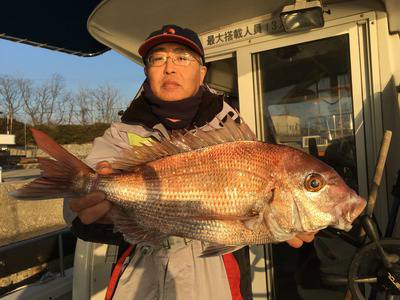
x: 314, y: 182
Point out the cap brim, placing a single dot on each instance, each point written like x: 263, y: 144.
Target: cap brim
x: 168, y: 38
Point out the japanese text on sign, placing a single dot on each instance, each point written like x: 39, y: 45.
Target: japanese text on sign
x: 241, y: 33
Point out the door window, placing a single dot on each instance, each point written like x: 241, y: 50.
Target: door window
x: 305, y: 101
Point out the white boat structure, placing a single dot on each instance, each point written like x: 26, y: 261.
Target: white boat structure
x: 324, y: 79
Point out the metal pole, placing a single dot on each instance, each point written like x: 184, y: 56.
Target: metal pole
x: 25, y: 136
x: 334, y: 125
x: 8, y: 121
x: 1, y: 112
x: 61, y: 255
x: 380, y: 166
x: 340, y: 111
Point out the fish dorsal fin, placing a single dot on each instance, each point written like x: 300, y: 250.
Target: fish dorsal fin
x: 181, y: 142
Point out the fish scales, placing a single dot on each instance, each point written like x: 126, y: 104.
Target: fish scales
x: 216, y: 231
x: 212, y: 181
x: 221, y: 232
x: 229, y: 192
x: 225, y: 185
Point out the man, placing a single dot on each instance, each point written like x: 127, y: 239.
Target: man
x: 173, y: 98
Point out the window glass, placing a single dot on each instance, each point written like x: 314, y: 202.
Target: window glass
x: 306, y: 102
x: 222, y: 78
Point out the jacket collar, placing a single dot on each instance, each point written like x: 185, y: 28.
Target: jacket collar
x: 139, y: 111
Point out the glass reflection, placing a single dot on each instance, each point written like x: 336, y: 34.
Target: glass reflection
x: 306, y: 102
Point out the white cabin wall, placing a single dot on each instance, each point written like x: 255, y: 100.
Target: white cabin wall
x: 389, y: 64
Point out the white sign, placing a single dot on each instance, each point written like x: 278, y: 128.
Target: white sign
x: 7, y: 139
x: 241, y: 32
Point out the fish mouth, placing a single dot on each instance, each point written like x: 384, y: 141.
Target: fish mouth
x: 349, y: 211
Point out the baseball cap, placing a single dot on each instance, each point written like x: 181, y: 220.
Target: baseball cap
x: 172, y: 34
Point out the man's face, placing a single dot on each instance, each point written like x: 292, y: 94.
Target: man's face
x: 171, y: 82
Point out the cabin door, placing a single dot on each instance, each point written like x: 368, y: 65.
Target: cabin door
x: 314, y: 91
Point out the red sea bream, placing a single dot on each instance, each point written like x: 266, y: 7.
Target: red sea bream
x: 221, y: 186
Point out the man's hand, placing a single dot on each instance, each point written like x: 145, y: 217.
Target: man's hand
x: 301, y: 238
x: 93, y: 207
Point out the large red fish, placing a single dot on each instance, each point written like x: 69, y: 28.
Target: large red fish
x: 221, y: 186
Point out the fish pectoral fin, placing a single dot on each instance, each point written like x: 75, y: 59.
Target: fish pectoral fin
x: 218, y: 249
x: 131, y: 231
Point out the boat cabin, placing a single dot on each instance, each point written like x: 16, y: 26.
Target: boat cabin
x: 320, y: 76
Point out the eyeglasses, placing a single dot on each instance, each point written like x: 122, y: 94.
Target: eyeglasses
x: 179, y: 59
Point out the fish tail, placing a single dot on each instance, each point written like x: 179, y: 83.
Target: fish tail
x: 63, y: 176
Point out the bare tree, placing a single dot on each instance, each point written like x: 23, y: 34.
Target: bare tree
x: 10, y: 100
x: 56, y: 85
x: 83, y: 106
x: 26, y: 90
x: 40, y: 101
x: 43, y: 103
x: 107, y: 100
x: 51, y: 103
x: 66, y: 108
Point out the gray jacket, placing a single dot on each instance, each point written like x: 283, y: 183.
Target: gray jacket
x: 174, y: 270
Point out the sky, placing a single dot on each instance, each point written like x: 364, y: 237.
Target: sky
x: 40, y: 64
